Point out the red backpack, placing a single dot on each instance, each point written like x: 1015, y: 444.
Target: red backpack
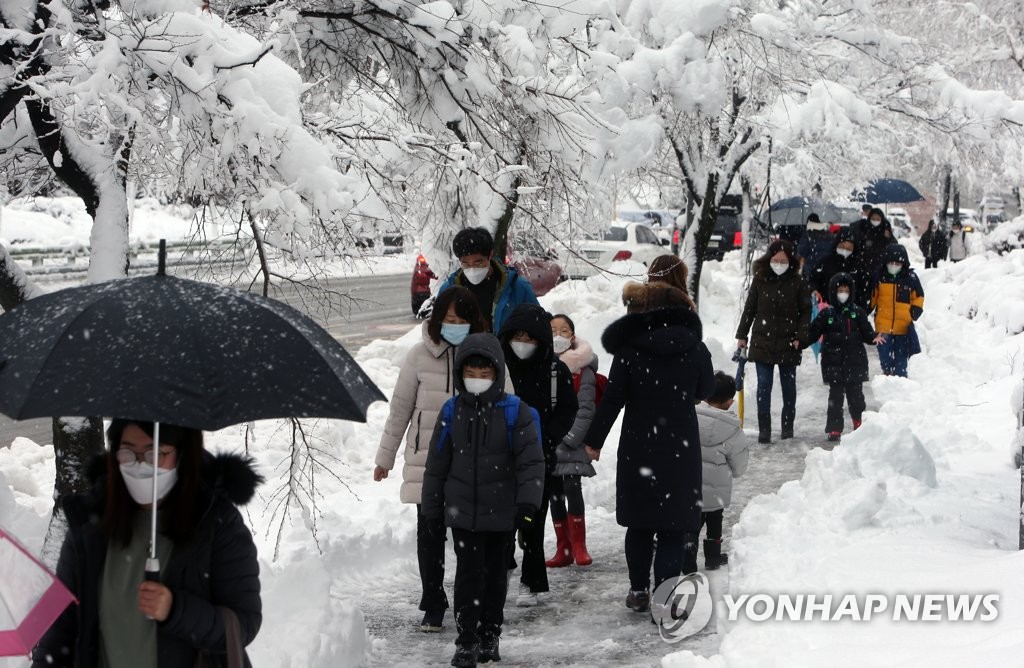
x: 600, y: 383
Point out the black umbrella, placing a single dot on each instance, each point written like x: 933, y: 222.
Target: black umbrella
x: 888, y: 191
x: 165, y: 349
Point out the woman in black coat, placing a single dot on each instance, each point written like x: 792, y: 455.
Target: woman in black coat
x: 778, y: 311
x: 660, y: 370
x: 844, y: 328
x: 545, y: 383
x: 206, y: 552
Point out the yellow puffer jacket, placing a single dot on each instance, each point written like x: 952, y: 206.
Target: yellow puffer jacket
x: 898, y: 300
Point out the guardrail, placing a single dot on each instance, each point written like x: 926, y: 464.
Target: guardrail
x: 47, y: 260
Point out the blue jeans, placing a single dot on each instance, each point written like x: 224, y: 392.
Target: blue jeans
x: 765, y: 382
x: 894, y: 354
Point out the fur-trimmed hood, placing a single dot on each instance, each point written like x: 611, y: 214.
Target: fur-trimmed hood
x: 580, y: 355
x: 661, y: 332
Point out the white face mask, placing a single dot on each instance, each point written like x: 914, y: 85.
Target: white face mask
x: 844, y: 252
x: 894, y: 268
x: 561, y: 344
x: 780, y: 268
x: 875, y: 223
x: 138, y: 478
x: 842, y: 297
x: 476, y: 275
x: 477, y: 385
x: 523, y: 350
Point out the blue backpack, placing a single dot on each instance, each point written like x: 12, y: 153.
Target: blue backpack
x: 510, y: 404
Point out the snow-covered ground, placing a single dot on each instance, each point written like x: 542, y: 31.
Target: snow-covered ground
x: 923, y: 499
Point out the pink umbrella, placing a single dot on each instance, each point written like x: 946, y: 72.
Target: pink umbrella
x: 31, y: 598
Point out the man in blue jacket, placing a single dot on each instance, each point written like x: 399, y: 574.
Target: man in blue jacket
x: 498, y: 288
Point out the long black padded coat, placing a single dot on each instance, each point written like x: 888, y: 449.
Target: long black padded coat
x: 218, y: 567
x: 475, y: 477
x: 661, y: 368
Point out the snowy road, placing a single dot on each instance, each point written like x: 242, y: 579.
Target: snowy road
x: 584, y: 621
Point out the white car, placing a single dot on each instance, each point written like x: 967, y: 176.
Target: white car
x: 900, y: 220
x: 634, y: 242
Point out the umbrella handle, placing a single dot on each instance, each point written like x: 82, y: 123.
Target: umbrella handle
x: 152, y: 572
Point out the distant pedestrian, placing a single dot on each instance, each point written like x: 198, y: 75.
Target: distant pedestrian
x: 898, y: 301
x: 725, y: 451
x: 572, y: 461
x: 933, y: 246
x: 957, y: 242
x: 871, y: 238
x: 660, y: 369
x: 484, y: 478
x: 816, y: 241
x: 844, y: 329
x: 497, y: 288
x: 776, y: 316
x: 425, y: 382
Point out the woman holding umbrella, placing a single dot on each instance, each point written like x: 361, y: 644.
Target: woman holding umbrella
x: 424, y: 384
x: 207, y: 598
x: 778, y: 308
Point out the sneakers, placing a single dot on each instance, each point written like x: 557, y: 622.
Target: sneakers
x: 466, y: 656
x: 638, y: 601
x: 834, y: 436
x: 432, y: 622
x: 526, y: 598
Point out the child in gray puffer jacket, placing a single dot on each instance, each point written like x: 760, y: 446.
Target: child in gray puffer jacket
x: 725, y: 453
x: 485, y: 477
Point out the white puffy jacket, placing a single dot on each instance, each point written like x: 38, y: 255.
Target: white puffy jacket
x: 725, y: 454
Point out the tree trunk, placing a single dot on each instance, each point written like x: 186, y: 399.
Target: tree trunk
x: 945, y: 184
x: 705, y: 227
x: 501, y: 230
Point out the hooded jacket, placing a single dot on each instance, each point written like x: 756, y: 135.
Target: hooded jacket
x: 543, y: 381
x: 869, y: 243
x: 218, y: 567
x: 725, y: 453
x: 897, y: 300
x: 572, y: 458
x: 659, y: 371
x: 512, y: 290
x: 933, y: 244
x: 833, y: 263
x: 846, y: 329
x: 778, y: 308
x: 815, y: 242
x: 475, y: 479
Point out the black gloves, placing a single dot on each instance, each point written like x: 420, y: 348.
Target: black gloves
x: 524, y: 517
x: 915, y: 312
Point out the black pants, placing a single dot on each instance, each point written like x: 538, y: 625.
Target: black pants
x: 481, y: 583
x: 568, y: 488
x: 930, y: 263
x: 535, y: 573
x: 713, y: 521
x: 430, y: 538
x: 854, y: 393
x: 640, y: 553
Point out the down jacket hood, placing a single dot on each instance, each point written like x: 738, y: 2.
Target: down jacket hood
x: 536, y: 322
x: 842, y: 278
x: 661, y: 332
x: 896, y: 253
x: 489, y: 347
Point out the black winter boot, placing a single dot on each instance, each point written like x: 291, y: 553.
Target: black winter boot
x: 713, y: 555
x: 489, y: 635
x: 788, y: 418
x: 466, y: 656
x: 764, y: 427
x: 690, y: 553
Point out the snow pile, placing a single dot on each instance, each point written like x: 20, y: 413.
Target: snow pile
x: 1006, y: 236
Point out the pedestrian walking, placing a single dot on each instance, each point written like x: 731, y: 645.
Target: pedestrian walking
x: 497, y: 288
x: 426, y: 381
x: 671, y: 270
x: 725, y: 453
x: 484, y: 478
x: 572, y: 462
x: 209, y: 580
x: 933, y: 246
x: 870, y: 239
x: 816, y: 241
x: 776, y: 314
x: 898, y: 301
x: 543, y: 382
x: 660, y: 369
x: 839, y: 261
x: 957, y: 242
x: 844, y: 329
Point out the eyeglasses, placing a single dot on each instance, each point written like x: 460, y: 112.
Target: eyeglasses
x: 128, y: 456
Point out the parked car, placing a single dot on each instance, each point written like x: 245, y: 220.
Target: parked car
x: 421, y: 277
x: 900, y: 221
x: 535, y: 263
x: 622, y: 241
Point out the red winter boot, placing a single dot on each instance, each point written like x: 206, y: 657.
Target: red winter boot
x: 563, y: 548
x: 578, y: 537
x: 856, y: 425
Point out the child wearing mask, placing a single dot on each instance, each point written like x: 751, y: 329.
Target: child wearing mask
x: 484, y: 478
x: 898, y: 301
x: 844, y: 361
